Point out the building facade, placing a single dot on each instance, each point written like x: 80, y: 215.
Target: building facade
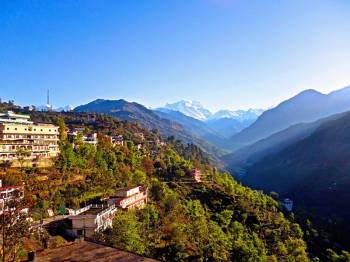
x: 130, y: 198
x: 17, y: 132
x: 8, y: 193
x: 86, y: 138
x: 95, y: 218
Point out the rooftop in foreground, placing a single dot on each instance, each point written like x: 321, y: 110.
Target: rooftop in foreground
x: 87, y: 251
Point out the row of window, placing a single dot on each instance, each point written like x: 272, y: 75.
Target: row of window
x: 31, y: 136
x: 14, y: 156
x: 14, y: 148
x: 32, y: 129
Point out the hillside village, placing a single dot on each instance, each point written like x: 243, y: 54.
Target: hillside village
x: 72, y: 180
x: 27, y: 145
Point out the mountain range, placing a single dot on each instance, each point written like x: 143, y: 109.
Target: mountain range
x: 189, y: 108
x: 131, y: 111
x: 225, y: 123
x: 309, y: 105
x: 186, y: 120
x: 195, y: 110
x: 314, y: 170
x: 49, y: 107
x: 300, y: 148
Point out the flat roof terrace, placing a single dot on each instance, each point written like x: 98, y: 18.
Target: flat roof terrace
x: 89, y: 251
x: 92, y: 211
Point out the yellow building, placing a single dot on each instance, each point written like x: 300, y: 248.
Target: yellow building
x: 17, y: 132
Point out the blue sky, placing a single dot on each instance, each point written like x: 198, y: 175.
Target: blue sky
x: 224, y: 53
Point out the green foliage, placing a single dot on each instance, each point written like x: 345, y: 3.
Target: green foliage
x: 224, y: 218
x: 194, y: 209
x: 139, y: 177
x: 216, y: 220
x: 62, y: 129
x: 125, y: 233
x: 334, y: 257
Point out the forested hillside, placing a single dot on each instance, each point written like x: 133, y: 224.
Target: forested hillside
x: 314, y: 172
x: 137, y: 113
x: 307, y: 106
x: 217, y: 219
x: 273, y: 144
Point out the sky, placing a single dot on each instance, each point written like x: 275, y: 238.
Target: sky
x: 227, y: 54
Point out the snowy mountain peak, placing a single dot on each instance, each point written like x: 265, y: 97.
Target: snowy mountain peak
x: 195, y: 110
x: 190, y: 108
x: 240, y: 115
x: 48, y: 107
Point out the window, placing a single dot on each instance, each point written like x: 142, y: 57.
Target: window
x: 79, y: 232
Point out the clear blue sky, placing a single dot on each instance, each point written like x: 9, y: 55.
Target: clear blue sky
x: 223, y: 53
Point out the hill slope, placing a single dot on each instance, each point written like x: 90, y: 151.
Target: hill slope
x: 194, y: 126
x: 135, y: 112
x: 227, y: 127
x: 275, y: 143
x: 314, y: 171
x: 307, y: 106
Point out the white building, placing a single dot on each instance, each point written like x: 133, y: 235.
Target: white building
x: 8, y: 193
x: 91, y: 139
x: 87, y: 138
x: 130, y: 197
x: 96, y: 218
x: 18, y: 132
x: 118, y: 140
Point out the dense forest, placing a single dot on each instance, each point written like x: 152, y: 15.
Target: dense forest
x: 215, y: 220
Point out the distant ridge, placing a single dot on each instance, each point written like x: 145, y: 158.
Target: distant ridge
x: 309, y: 105
x: 314, y: 170
x: 131, y: 111
x: 224, y: 123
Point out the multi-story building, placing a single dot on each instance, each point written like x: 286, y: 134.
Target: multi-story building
x: 91, y: 139
x: 8, y: 193
x: 86, y: 138
x: 130, y: 197
x: 95, y: 218
x: 18, y: 132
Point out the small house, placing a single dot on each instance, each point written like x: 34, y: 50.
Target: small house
x: 95, y: 218
x: 130, y: 197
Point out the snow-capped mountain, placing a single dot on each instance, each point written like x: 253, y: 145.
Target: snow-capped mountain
x: 48, y: 107
x: 67, y: 108
x: 189, y: 108
x: 195, y: 110
x: 44, y: 108
x: 239, y: 115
